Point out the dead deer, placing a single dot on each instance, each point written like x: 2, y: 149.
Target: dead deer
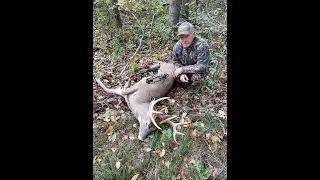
x: 141, y: 97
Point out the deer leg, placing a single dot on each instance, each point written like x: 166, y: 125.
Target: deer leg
x: 130, y: 90
x: 124, y: 90
x: 112, y: 91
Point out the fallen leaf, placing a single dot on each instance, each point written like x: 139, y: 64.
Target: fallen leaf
x: 113, y: 149
x: 147, y: 149
x: 135, y: 177
x: 215, y: 138
x: 130, y: 168
x: 110, y: 131
x: 118, y: 165
x: 106, y: 119
x: 216, y: 172
x: 171, y: 101
x: 163, y: 152
x: 100, y: 97
x: 113, y: 137
x: 167, y: 163
x: 174, y: 146
x: 192, y: 161
x: 187, y: 120
x: 134, y: 125
x: 131, y: 136
x: 162, y: 144
x: 202, y: 125
x: 184, y: 114
x: 208, y: 136
x: 101, y: 116
x: 117, y: 106
x: 185, y: 159
x: 94, y: 159
x: 222, y: 114
x: 194, y: 133
x: 125, y: 137
x: 114, y: 118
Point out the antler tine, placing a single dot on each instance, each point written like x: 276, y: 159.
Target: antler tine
x: 174, y: 126
x: 152, y: 103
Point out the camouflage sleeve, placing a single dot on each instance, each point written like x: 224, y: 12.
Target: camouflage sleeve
x: 176, y: 56
x: 203, y: 60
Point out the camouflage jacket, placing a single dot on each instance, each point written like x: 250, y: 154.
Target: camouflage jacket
x: 194, y: 59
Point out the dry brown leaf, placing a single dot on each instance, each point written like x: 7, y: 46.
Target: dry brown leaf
x: 100, y: 97
x: 187, y: 120
x: 125, y: 137
x: 208, y: 135
x: 101, y: 116
x: 110, y: 130
x: 135, y: 177
x: 174, y: 145
x: 185, y: 159
x: 117, y: 106
x: 194, y: 133
x: 131, y: 136
x: 216, y: 172
x: 130, y: 168
x: 162, y: 153
x: 114, y: 118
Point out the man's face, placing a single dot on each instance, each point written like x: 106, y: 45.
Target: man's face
x: 186, y: 39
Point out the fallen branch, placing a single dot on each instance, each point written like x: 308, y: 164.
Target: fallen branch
x: 132, y: 55
x: 142, y: 37
x: 224, y: 131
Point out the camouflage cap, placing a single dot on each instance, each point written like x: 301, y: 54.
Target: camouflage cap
x: 185, y: 28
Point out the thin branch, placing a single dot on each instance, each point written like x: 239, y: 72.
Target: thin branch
x: 224, y: 131
x: 133, y: 55
x: 139, y: 43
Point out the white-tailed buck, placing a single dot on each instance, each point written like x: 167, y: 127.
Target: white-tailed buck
x: 142, y: 96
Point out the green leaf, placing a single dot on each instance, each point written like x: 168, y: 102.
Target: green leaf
x: 214, y: 147
x: 167, y: 163
x: 107, y: 115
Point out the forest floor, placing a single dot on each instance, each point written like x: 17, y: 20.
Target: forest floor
x: 118, y: 154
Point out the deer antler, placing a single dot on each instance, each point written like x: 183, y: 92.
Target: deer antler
x: 174, y: 125
x: 152, y: 103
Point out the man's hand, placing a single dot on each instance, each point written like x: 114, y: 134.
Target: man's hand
x: 184, y: 78
x: 178, y: 71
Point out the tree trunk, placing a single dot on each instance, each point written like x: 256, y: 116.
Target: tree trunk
x: 174, y: 12
x: 185, y: 10
x: 115, y: 14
